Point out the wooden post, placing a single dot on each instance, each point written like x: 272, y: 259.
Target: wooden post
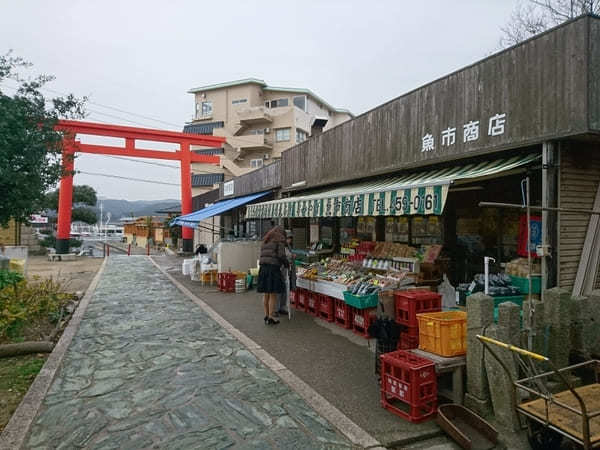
x: 549, y: 218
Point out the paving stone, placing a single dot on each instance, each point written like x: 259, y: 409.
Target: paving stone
x: 149, y: 369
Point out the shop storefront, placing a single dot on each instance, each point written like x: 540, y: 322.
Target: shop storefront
x: 412, y: 229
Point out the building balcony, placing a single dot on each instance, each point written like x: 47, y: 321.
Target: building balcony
x: 263, y: 142
x: 254, y: 115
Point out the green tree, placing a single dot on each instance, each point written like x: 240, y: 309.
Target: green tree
x: 82, y: 195
x: 86, y: 215
x: 30, y: 148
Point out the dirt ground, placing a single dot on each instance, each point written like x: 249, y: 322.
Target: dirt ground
x: 77, y: 275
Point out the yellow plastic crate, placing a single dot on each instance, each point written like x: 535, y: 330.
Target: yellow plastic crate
x: 209, y: 276
x: 443, y: 333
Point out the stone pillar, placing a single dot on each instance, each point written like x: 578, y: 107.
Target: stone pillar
x: 501, y: 390
x: 538, y: 327
x: 558, y: 319
x: 480, y: 314
x: 585, y: 324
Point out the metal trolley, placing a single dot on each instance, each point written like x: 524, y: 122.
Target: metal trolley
x: 573, y: 413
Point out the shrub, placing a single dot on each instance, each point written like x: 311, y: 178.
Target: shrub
x: 8, y: 278
x: 50, y: 242
x: 27, y: 302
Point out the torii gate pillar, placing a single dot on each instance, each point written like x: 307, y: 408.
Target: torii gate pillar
x: 129, y: 134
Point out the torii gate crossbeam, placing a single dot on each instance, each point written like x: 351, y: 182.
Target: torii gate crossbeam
x: 72, y: 128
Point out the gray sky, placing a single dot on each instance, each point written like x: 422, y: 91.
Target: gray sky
x: 143, y: 56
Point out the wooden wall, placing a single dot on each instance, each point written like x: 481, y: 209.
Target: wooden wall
x: 579, y: 179
x: 594, y: 75
x: 265, y: 178
x: 541, y: 86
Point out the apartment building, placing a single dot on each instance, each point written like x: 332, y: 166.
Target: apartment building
x: 259, y: 122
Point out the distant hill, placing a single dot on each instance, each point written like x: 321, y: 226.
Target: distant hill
x: 126, y: 208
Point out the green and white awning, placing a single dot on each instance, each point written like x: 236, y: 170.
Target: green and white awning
x: 422, y: 193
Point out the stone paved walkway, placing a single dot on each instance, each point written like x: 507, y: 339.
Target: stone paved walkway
x: 149, y: 369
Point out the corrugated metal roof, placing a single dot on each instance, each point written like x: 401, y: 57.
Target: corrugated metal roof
x: 202, y: 128
x: 207, y: 179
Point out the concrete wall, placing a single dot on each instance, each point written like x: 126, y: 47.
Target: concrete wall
x: 541, y: 86
x: 26, y: 236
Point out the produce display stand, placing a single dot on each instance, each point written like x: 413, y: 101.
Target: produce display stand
x: 573, y: 413
x: 324, y: 287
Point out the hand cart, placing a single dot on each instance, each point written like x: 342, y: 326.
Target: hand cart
x: 573, y: 413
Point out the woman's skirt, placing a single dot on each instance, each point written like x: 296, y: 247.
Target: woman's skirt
x: 270, y: 280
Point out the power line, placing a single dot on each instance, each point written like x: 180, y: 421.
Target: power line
x: 121, y: 110
x: 178, y: 127
x: 141, y: 162
x: 120, y: 118
x: 144, y: 180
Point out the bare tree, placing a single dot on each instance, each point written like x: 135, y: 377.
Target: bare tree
x: 531, y: 17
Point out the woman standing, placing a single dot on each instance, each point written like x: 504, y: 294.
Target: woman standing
x: 270, y: 281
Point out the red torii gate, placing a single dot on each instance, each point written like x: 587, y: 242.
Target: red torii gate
x: 130, y: 134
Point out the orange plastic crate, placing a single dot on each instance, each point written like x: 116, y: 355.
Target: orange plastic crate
x: 443, y: 333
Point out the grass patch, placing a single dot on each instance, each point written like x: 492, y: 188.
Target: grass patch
x: 16, y: 375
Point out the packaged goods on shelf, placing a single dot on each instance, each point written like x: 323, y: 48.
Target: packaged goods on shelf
x: 520, y: 267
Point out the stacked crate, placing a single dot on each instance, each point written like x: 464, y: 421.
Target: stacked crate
x: 408, y: 304
x: 408, y: 385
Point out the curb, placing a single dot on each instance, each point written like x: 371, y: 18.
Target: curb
x: 338, y: 419
x: 17, y: 428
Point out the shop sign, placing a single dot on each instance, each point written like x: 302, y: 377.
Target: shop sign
x: 38, y: 218
x: 496, y: 125
x: 228, y: 187
x: 420, y: 200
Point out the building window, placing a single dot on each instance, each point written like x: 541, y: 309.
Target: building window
x: 256, y: 163
x: 278, y: 103
x: 259, y: 131
x: 301, y: 136
x: 238, y: 101
x: 300, y: 102
x: 203, y: 109
x: 282, y: 134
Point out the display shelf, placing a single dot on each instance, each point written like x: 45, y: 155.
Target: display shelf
x: 329, y: 288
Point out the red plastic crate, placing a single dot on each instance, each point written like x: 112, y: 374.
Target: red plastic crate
x: 226, y: 281
x: 293, y: 298
x: 408, y: 385
x: 326, y: 308
x: 415, y: 301
x: 407, y: 342
x: 411, y: 332
x: 301, y: 299
x: 362, y: 319
x: 312, y: 303
x: 342, y: 313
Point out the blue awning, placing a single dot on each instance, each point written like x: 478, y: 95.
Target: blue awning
x: 191, y: 220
